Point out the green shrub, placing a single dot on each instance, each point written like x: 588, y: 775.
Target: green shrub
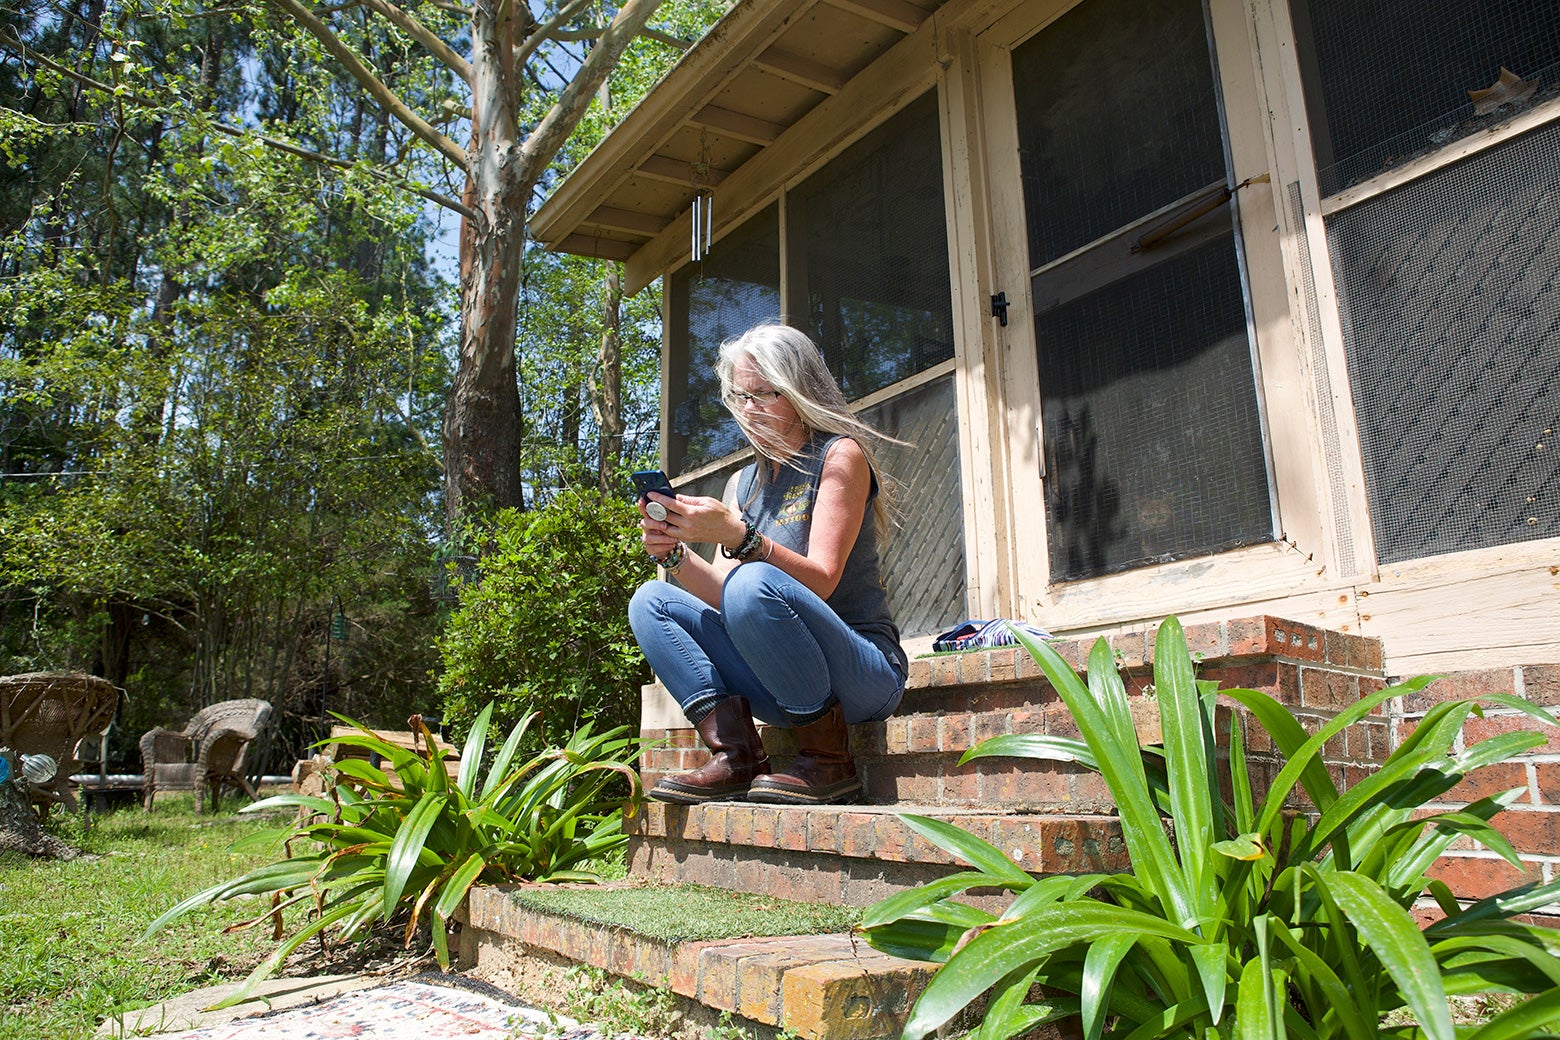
x: 408, y: 847
x: 1255, y: 921
x: 543, y: 626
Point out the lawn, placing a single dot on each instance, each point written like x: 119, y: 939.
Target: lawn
x: 70, y: 931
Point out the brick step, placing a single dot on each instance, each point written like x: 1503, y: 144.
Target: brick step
x: 954, y: 701
x: 849, y: 855
x: 915, y: 758
x: 822, y: 987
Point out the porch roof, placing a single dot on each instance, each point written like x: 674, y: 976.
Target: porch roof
x: 759, y: 71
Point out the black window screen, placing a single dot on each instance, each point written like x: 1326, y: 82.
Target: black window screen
x: 876, y: 253
x: 1389, y: 80
x: 923, y: 559
x: 1450, y: 290
x: 1117, y: 118
x: 1151, y: 428
x: 1152, y: 434
x: 732, y: 289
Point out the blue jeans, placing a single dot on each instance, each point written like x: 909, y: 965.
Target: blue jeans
x: 774, y: 642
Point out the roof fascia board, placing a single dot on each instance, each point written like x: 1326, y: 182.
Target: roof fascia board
x: 731, y: 44
x: 903, y: 71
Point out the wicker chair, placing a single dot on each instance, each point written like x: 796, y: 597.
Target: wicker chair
x: 208, y: 752
x: 48, y: 713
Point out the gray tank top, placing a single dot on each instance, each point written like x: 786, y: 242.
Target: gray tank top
x: 782, y: 509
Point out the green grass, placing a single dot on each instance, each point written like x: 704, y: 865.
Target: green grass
x: 70, y: 932
x: 689, y: 913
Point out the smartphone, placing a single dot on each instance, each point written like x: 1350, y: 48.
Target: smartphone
x: 648, y: 480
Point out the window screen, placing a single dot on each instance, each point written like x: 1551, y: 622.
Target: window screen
x: 1151, y: 428
x: 1450, y: 291
x: 1152, y: 434
x: 1118, y: 118
x: 923, y: 559
x: 734, y: 288
x: 876, y: 253
x: 1389, y: 80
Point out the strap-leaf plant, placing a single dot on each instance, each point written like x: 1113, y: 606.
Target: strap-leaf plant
x: 1264, y: 915
x: 406, y: 846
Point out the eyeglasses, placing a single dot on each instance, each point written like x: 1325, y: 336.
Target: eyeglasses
x: 738, y: 398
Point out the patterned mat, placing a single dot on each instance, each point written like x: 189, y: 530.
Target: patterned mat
x: 400, y: 1011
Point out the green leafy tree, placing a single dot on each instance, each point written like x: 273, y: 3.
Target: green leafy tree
x: 224, y: 362
x: 543, y: 624
x: 219, y: 374
x: 590, y: 374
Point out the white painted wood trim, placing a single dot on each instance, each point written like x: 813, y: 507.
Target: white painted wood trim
x: 1484, y: 608
x: 1382, y: 183
x: 904, y: 386
x: 978, y: 383
x: 1299, y: 469
x: 1228, y: 584
x: 1347, y: 545
x: 1028, y: 553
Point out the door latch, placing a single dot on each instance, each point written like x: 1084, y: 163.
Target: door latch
x: 999, y: 308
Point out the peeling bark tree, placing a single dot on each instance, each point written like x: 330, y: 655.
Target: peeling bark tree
x: 502, y: 167
x: 607, y: 390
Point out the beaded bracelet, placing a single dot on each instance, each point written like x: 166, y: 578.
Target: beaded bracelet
x: 751, y: 542
x: 673, y: 560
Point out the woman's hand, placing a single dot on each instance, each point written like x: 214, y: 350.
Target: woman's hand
x: 653, y: 534
x: 692, y: 518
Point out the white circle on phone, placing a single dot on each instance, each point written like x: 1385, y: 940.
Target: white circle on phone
x: 655, y: 510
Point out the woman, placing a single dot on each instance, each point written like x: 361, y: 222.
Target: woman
x: 789, y: 623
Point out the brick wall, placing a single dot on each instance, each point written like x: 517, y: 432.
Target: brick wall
x: 954, y: 702
x: 1532, y: 822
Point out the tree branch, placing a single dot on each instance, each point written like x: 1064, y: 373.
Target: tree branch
x: 28, y: 54
x: 419, y: 32
x: 650, y: 34
x: 371, y: 83
x: 411, y: 427
x: 550, y: 134
x: 545, y: 31
x: 436, y: 198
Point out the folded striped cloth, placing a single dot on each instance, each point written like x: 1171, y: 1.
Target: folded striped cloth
x: 973, y: 635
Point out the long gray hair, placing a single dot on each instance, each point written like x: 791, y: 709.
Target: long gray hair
x: 789, y: 361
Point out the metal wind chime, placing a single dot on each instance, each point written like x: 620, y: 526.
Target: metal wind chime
x: 702, y: 211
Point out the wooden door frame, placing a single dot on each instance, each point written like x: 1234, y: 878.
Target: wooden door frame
x: 1298, y: 463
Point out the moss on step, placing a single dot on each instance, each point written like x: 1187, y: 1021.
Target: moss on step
x: 686, y: 913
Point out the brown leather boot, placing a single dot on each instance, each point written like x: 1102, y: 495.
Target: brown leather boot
x: 736, y: 757
x: 822, y: 771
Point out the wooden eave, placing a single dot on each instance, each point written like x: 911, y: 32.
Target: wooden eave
x: 760, y: 70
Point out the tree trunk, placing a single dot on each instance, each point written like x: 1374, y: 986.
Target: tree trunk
x: 609, y: 391
x: 482, y: 419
